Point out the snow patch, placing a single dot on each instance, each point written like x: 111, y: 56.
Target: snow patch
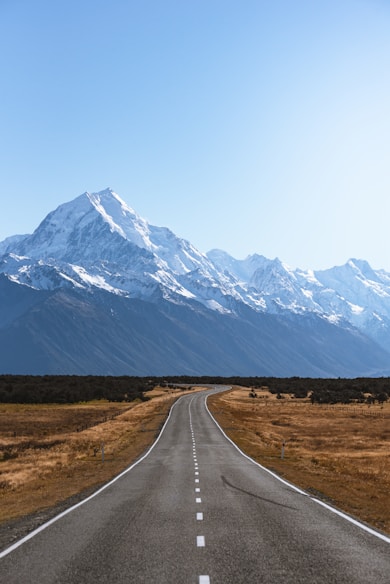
x: 97, y: 281
x: 355, y: 309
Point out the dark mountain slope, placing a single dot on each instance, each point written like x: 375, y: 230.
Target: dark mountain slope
x: 77, y: 332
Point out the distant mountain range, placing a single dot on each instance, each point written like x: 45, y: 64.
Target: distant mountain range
x: 98, y: 290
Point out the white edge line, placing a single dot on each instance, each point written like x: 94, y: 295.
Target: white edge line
x: 17, y: 544
x: 300, y: 491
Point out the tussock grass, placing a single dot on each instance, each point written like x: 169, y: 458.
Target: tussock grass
x: 340, y: 453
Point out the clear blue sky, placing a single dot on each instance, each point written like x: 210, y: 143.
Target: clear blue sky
x: 253, y: 126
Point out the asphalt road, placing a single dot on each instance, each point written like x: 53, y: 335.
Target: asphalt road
x: 195, y: 510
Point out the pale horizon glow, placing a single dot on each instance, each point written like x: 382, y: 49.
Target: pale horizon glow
x: 253, y: 127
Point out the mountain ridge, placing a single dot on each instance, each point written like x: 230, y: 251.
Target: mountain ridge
x: 99, y: 251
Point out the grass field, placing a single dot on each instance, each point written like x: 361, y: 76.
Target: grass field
x: 340, y: 453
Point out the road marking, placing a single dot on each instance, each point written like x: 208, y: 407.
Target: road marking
x: 196, y: 472
x: 198, y: 500
x: 197, y: 490
x: 204, y: 579
x: 197, y: 480
x: 200, y: 542
x: 199, y: 516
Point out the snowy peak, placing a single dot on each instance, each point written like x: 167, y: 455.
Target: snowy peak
x: 79, y: 222
x: 121, y: 218
x: 357, y: 281
x: 241, y: 269
x: 102, y: 224
x: 272, y: 276
x: 98, y: 241
x: 353, y: 268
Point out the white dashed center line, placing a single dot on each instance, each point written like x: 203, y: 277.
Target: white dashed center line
x: 200, y: 539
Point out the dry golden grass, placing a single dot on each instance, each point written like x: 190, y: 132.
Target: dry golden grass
x: 338, y: 452
x: 51, y: 452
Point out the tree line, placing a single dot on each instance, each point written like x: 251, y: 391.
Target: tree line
x: 36, y: 389
x: 75, y: 388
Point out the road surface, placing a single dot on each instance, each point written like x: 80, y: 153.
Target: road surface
x: 196, y: 511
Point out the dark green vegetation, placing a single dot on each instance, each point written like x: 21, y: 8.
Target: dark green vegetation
x: 74, y: 388
x: 362, y: 389
x: 36, y: 389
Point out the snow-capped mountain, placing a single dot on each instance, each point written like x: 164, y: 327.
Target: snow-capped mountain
x: 95, y: 270
x: 353, y: 293
x: 97, y: 241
